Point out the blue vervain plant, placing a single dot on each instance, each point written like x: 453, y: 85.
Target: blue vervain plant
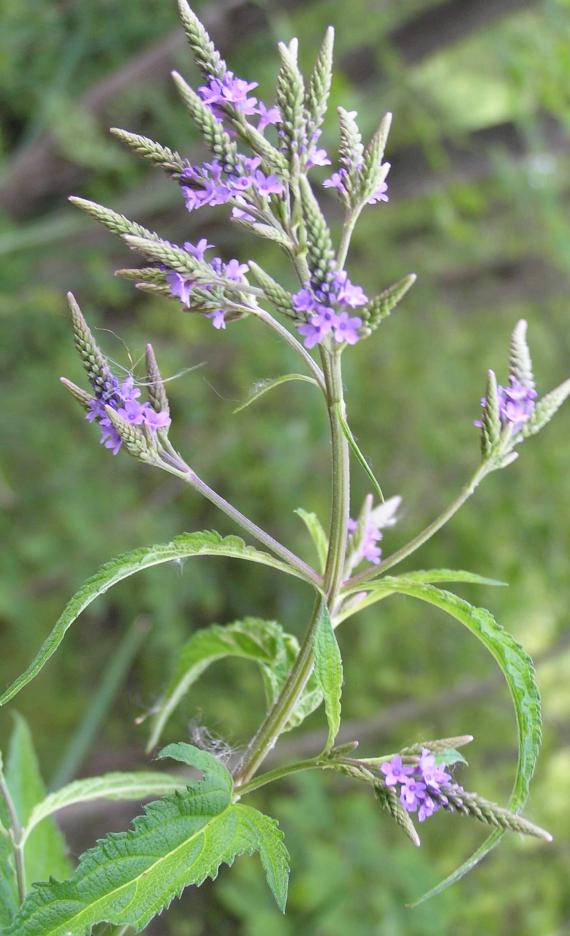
x: 262, y: 156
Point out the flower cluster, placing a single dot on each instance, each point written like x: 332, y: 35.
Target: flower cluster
x: 124, y: 398
x: 421, y: 786
x: 212, y: 184
x: 516, y: 404
x: 324, y: 309
x: 338, y: 180
x: 181, y: 286
x: 218, y: 93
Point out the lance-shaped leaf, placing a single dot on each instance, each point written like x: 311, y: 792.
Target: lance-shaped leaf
x: 112, y: 786
x: 520, y: 364
x: 264, y: 386
x: 328, y: 672
x: 45, y: 852
x: 182, y: 547
x: 320, y: 83
x: 359, y: 454
x: 130, y: 877
x: 518, y: 670
x: 167, y: 159
x: 377, y: 589
x: 263, y: 642
x: 379, y: 308
x: 545, y: 409
x: 9, y: 900
x: 317, y: 534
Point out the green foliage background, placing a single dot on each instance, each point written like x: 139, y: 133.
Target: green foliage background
x: 487, y: 233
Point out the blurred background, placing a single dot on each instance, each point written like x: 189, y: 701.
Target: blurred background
x: 479, y: 210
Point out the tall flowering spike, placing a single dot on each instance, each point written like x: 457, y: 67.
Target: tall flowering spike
x: 174, y: 257
x: 319, y: 243
x: 320, y: 84
x: 217, y: 139
x: 206, y: 56
x: 520, y: 364
x: 290, y: 101
x: 350, y: 153
x: 155, y: 385
x: 93, y: 360
x: 439, y: 745
x: 471, y: 804
x: 545, y: 409
x: 115, y: 222
x: 82, y: 397
x: 373, y: 172
x: 150, y: 275
x: 390, y: 801
x: 379, y: 308
x: 277, y: 295
x: 491, y: 420
x: 161, y: 156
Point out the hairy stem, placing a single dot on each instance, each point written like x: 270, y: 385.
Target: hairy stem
x: 16, y: 835
x: 279, y: 773
x: 426, y: 533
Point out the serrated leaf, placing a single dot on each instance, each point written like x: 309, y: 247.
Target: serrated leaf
x: 264, y: 386
x: 264, y: 642
x: 317, y: 534
x: 9, y: 901
x: 328, y: 672
x: 130, y: 877
x: 182, y: 547
x: 45, y: 852
x: 518, y: 670
x: 111, y: 786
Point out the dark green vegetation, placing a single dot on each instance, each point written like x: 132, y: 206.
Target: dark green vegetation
x: 478, y: 210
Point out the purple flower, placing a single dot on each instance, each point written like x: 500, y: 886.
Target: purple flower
x: 267, y: 116
x: 267, y: 185
x: 229, y: 90
x: 337, y: 181
x: 317, y: 157
x: 516, y: 404
x: 427, y: 808
x: 198, y: 250
x: 180, y: 286
x: 412, y: 793
x: 433, y: 775
x: 234, y: 270
x: 395, y: 772
x: 346, y: 328
x: 217, y: 318
x: 313, y: 333
x: 305, y: 301
x: 125, y: 400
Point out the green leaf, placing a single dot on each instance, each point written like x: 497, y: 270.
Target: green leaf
x: 518, y: 670
x: 449, y: 757
x: 45, y: 852
x: 328, y: 672
x: 111, y: 786
x: 358, y: 454
x: 264, y: 642
x: 182, y: 839
x: 380, y: 588
x: 264, y: 386
x: 9, y: 901
x: 317, y: 534
x: 182, y: 547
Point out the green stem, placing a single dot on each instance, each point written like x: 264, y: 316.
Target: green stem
x: 426, y: 533
x: 345, y: 238
x: 271, y: 776
x: 279, y: 714
x: 16, y: 835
